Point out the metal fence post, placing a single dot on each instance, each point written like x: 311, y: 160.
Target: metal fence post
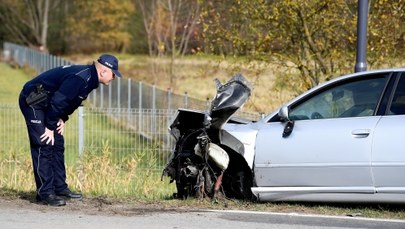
x: 102, y: 97
x: 154, y: 108
x: 169, y: 111
x: 110, y: 97
x: 129, y: 101
x: 81, y: 131
x: 169, y: 99
x: 119, y: 92
x: 185, y: 100
x: 94, y: 98
x: 140, y: 106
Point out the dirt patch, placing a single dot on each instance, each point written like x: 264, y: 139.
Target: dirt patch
x: 90, y: 206
x: 129, y: 207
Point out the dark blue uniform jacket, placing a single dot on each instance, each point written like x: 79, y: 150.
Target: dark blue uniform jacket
x: 67, y: 87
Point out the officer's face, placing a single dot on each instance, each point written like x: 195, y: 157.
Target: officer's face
x: 107, y: 76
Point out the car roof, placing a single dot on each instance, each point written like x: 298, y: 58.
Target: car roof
x: 366, y: 73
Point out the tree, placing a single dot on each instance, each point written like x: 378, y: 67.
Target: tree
x: 169, y: 25
x: 386, y: 36
x: 27, y: 21
x: 306, y: 37
x: 313, y: 40
x: 94, y: 25
x: 316, y: 40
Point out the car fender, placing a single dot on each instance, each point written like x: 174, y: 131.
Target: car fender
x: 242, y: 139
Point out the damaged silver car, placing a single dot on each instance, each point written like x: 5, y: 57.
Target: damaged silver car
x: 338, y: 142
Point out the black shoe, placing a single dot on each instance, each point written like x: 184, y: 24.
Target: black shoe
x: 70, y: 195
x: 51, y: 200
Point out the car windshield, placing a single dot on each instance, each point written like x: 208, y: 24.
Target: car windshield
x: 352, y: 99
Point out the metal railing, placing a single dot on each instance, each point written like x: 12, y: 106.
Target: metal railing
x: 89, y: 129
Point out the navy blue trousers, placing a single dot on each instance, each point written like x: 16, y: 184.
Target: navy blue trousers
x: 48, y: 160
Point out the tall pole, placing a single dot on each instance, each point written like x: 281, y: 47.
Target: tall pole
x: 361, y: 64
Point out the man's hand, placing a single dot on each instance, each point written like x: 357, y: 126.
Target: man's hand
x: 61, y: 127
x: 48, y: 136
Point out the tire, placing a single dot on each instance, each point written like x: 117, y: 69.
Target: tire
x: 237, y: 184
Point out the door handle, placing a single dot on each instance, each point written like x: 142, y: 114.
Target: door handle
x: 363, y: 133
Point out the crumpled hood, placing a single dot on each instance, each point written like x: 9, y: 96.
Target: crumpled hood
x: 229, y: 98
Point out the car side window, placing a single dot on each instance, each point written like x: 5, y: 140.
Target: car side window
x: 350, y: 99
x: 398, y: 101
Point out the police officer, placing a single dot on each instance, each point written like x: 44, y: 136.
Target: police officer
x: 46, y: 102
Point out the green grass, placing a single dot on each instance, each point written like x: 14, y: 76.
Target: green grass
x: 11, y: 81
x: 12, y: 124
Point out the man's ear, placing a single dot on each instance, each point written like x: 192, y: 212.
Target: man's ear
x: 102, y: 72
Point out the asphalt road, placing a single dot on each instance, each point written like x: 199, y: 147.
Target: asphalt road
x: 11, y: 218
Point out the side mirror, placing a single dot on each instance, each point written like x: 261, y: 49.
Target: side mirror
x: 283, y: 113
x: 289, y: 126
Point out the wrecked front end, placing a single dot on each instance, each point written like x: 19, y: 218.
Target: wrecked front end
x: 206, y: 159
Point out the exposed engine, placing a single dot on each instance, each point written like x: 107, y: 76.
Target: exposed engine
x: 201, y: 164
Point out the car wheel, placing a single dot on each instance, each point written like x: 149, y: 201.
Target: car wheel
x: 237, y: 184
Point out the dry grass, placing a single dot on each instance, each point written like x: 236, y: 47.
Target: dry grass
x: 195, y: 76
x: 95, y: 175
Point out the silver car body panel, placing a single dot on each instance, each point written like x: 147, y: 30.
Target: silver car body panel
x: 246, y: 134
x: 388, y: 155
x: 319, y: 195
x: 285, y: 161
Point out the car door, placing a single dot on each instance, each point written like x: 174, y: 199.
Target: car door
x: 330, y: 143
x: 388, y: 154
